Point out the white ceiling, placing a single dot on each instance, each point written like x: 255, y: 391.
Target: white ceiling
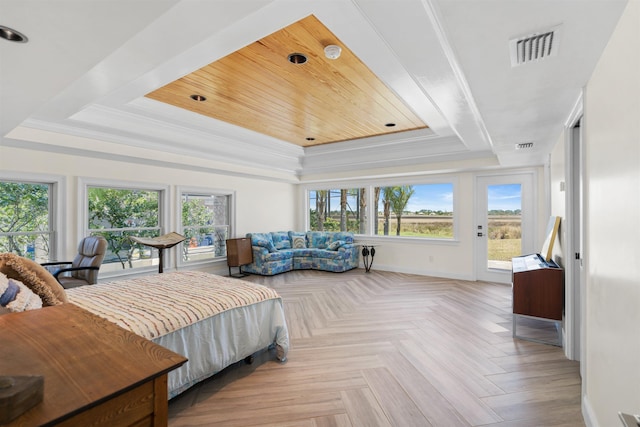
x: 79, y: 83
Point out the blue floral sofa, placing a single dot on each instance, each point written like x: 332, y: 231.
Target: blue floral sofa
x: 280, y: 251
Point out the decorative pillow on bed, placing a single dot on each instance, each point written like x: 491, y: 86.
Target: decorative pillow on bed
x: 298, y: 240
x: 15, y: 296
x: 281, y: 240
x: 334, y: 246
x: 34, y: 276
x: 263, y: 240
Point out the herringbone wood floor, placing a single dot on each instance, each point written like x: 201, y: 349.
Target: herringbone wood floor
x: 390, y: 349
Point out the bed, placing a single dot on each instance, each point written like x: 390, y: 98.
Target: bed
x: 212, y: 320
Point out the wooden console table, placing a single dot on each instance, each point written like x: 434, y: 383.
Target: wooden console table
x: 538, y: 292
x: 95, y: 372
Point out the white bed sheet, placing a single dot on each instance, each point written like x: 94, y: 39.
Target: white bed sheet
x: 222, y: 340
x: 212, y: 320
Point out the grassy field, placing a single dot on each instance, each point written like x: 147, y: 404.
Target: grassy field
x: 504, y: 249
x: 505, y: 238
x: 505, y: 235
x: 420, y: 226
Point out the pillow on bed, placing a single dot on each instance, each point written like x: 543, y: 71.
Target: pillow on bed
x: 334, y: 246
x: 16, y: 297
x: 34, y: 276
x: 263, y: 240
x: 298, y: 240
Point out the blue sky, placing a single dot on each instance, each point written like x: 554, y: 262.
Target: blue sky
x: 437, y: 197
x: 440, y: 197
x: 505, y: 197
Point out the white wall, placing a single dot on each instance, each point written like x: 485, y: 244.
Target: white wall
x: 260, y: 204
x: 612, y: 138
x: 433, y: 257
x: 454, y: 259
x: 557, y: 177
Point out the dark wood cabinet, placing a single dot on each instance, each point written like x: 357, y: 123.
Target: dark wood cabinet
x: 239, y: 253
x: 538, y: 291
x: 95, y: 373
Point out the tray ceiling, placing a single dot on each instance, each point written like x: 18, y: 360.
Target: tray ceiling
x: 439, y: 69
x: 316, y: 102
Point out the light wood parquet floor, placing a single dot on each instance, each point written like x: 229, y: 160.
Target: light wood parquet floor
x: 391, y: 349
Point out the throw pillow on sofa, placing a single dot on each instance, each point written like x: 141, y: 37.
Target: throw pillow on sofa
x: 318, y: 239
x: 342, y: 235
x: 281, y: 240
x: 298, y: 240
x: 334, y: 246
x: 263, y: 240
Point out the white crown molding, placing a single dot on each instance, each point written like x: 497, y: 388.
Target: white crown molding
x: 180, y: 118
x: 203, y: 134
x: 576, y: 112
x: 406, y: 161
x: 231, y: 170
x: 375, y: 142
x: 385, y: 151
x: 183, y: 141
x: 379, y: 152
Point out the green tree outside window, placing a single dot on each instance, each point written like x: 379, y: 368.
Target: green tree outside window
x: 25, y: 220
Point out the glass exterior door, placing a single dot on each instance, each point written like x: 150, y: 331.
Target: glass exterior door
x: 504, y: 227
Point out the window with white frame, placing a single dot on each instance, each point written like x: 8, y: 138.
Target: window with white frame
x: 422, y: 210
x: 27, y: 227
x: 411, y: 210
x: 116, y: 213
x: 338, y: 209
x: 206, y: 225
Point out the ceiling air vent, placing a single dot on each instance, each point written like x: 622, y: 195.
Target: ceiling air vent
x: 534, y: 47
x: 524, y: 145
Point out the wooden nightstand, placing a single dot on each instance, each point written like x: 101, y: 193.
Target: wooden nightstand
x: 95, y: 372
x: 239, y: 253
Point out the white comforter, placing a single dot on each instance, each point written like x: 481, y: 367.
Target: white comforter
x: 214, y: 321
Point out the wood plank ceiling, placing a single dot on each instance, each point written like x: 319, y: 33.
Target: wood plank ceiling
x: 318, y: 102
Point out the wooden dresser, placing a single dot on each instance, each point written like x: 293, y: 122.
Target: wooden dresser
x: 95, y: 373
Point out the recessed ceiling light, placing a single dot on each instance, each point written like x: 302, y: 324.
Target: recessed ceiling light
x: 198, y: 98
x: 297, y: 58
x: 390, y: 125
x: 12, y: 35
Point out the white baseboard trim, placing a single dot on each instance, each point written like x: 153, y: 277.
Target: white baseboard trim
x: 421, y: 272
x: 590, y: 419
